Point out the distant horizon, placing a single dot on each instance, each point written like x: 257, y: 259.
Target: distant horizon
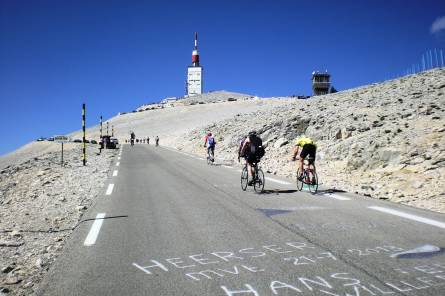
x: 118, y: 56
x: 181, y: 97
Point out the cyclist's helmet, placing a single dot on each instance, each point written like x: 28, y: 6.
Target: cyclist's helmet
x: 252, y: 133
x: 209, y: 134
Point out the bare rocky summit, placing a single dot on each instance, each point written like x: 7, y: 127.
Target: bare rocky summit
x: 384, y: 141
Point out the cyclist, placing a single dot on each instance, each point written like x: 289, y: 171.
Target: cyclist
x: 132, y: 136
x: 241, y: 144
x: 308, y: 148
x: 157, y: 141
x: 252, y: 150
x: 209, y: 142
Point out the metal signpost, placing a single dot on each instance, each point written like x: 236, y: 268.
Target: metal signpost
x: 61, y: 140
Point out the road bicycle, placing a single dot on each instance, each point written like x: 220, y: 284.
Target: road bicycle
x: 309, y: 176
x: 258, y: 178
x: 210, y: 156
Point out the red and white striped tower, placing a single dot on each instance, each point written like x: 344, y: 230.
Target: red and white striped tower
x: 194, y: 73
x: 195, y: 54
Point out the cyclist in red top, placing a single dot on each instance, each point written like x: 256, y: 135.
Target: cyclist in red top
x: 209, y: 142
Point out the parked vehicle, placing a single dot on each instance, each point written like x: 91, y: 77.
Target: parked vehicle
x: 41, y: 139
x: 51, y: 139
x: 108, y: 143
x: 77, y: 141
x: 93, y: 142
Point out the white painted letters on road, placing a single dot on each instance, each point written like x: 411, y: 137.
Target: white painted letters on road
x: 249, y: 290
x: 202, y: 261
x: 275, y: 285
x: 177, y: 261
x: 146, y: 268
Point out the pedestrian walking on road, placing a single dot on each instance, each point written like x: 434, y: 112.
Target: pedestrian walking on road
x: 157, y: 140
x: 132, y: 137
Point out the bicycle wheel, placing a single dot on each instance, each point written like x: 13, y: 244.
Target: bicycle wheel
x: 313, y: 186
x: 299, y: 183
x: 209, y: 161
x: 212, y: 159
x: 258, y: 185
x: 244, y: 179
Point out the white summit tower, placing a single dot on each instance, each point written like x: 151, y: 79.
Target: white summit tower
x: 194, y: 73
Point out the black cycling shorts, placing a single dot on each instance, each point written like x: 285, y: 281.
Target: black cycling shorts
x: 251, y: 158
x: 308, y: 149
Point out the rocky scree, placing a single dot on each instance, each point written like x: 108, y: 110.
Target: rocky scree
x: 40, y: 204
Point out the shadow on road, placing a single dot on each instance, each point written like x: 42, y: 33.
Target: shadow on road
x: 320, y: 192
x: 279, y: 191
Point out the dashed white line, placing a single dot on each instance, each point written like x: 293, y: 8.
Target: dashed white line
x: 278, y: 181
x: 226, y: 166
x: 115, y: 173
x: 119, y: 158
x: 118, y: 163
x: 94, y: 231
x: 109, y: 189
x: 337, y: 196
x: 409, y: 216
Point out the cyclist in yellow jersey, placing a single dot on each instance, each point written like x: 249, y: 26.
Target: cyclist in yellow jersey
x: 308, y: 148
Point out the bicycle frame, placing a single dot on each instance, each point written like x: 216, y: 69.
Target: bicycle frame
x: 308, y: 171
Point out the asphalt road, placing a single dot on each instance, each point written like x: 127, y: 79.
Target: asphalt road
x: 172, y: 225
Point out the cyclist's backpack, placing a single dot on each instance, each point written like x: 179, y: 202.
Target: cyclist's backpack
x: 211, y: 141
x: 241, y: 152
x: 256, y: 146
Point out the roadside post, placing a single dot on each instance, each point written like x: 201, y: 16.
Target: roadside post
x: 112, y: 130
x: 107, y: 128
x: 61, y: 140
x: 84, y: 149
x: 101, y: 144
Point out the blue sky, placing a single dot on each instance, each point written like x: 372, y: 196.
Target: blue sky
x: 117, y: 55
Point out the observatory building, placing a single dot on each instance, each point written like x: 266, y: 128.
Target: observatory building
x: 194, y: 73
x: 321, y: 83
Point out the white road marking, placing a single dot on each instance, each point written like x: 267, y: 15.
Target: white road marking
x: 409, y: 216
x: 118, y: 163
x: 226, y: 166
x: 337, y: 196
x: 418, y: 250
x: 115, y: 173
x: 119, y: 158
x: 109, y: 189
x: 94, y: 231
x: 278, y: 181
